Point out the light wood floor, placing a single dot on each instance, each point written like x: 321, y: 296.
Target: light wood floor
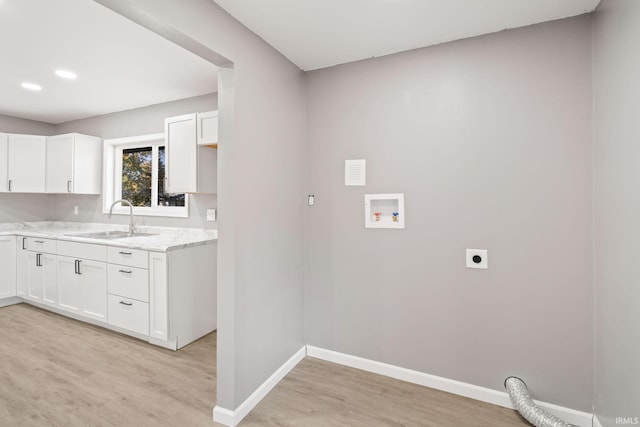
x: 56, y: 371
x: 321, y: 394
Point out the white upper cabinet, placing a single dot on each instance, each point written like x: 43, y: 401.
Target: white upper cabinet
x: 4, y: 162
x: 26, y: 164
x: 73, y: 164
x: 191, y: 168
x: 208, y: 128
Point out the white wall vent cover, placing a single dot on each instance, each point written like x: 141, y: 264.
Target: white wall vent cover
x: 355, y: 172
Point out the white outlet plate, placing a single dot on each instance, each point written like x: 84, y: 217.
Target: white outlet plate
x: 211, y: 214
x: 474, y: 262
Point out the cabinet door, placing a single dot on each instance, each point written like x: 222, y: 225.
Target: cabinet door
x: 181, y: 162
x: 7, y: 266
x: 208, y: 128
x: 22, y: 267
x: 87, y: 165
x: 4, y: 162
x: 159, y: 296
x: 60, y: 164
x: 69, y: 284
x: 93, y: 289
x: 49, y: 279
x: 35, y: 276
x: 27, y: 163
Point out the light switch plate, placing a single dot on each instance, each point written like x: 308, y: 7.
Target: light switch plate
x: 211, y: 214
x: 478, y: 258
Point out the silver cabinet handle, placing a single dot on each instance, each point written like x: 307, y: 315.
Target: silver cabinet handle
x: 125, y: 253
x: 126, y: 303
x: 24, y: 241
x: 125, y: 271
x: 75, y: 266
x: 38, y: 260
x: 68, y: 186
x: 79, y: 263
x: 10, y: 182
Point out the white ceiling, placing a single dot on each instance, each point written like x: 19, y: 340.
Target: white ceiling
x: 321, y: 33
x: 119, y: 64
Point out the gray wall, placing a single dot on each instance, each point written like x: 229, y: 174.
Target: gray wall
x: 490, y: 140
x: 9, y: 124
x: 139, y: 121
x: 261, y: 197
x: 25, y: 207
x: 617, y: 231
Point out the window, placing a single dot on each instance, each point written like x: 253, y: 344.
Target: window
x: 135, y: 171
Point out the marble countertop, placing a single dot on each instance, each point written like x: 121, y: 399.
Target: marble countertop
x: 162, y: 239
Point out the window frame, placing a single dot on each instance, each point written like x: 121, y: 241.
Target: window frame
x: 112, y: 177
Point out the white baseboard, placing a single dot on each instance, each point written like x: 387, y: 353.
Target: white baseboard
x: 232, y: 418
x: 579, y: 418
x: 224, y: 416
x: 596, y: 421
x: 10, y: 301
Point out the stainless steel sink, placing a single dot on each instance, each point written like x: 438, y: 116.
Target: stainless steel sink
x: 109, y: 235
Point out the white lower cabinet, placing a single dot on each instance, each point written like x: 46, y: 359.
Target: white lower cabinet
x: 69, y: 286
x: 82, y: 279
x: 167, y: 298
x: 7, y: 266
x: 41, y: 277
x: 22, y: 267
x: 82, y: 287
x: 128, y: 313
x: 129, y: 281
x: 128, y: 287
x: 36, y: 270
x: 159, y: 294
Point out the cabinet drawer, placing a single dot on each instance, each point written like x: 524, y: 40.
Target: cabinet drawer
x: 82, y: 250
x: 128, y: 314
x: 40, y: 245
x: 130, y: 282
x: 125, y: 256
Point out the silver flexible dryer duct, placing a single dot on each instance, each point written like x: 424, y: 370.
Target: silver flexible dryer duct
x: 537, y: 416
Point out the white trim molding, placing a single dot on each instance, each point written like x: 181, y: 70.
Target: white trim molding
x: 232, y: 418
x: 5, y: 302
x: 112, y: 178
x: 579, y: 418
x: 596, y: 421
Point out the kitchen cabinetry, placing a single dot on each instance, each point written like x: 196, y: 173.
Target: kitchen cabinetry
x: 41, y: 278
x: 207, y: 128
x: 128, y: 288
x: 26, y: 163
x: 41, y: 285
x: 166, y: 298
x: 73, y: 164
x: 158, y: 292
x: 22, y: 267
x: 7, y: 266
x: 191, y: 292
x: 4, y: 162
x: 190, y: 168
x: 82, y: 279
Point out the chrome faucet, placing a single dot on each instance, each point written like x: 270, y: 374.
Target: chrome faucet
x: 132, y: 228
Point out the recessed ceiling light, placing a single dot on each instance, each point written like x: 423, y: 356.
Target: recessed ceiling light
x: 31, y: 86
x: 66, y: 74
